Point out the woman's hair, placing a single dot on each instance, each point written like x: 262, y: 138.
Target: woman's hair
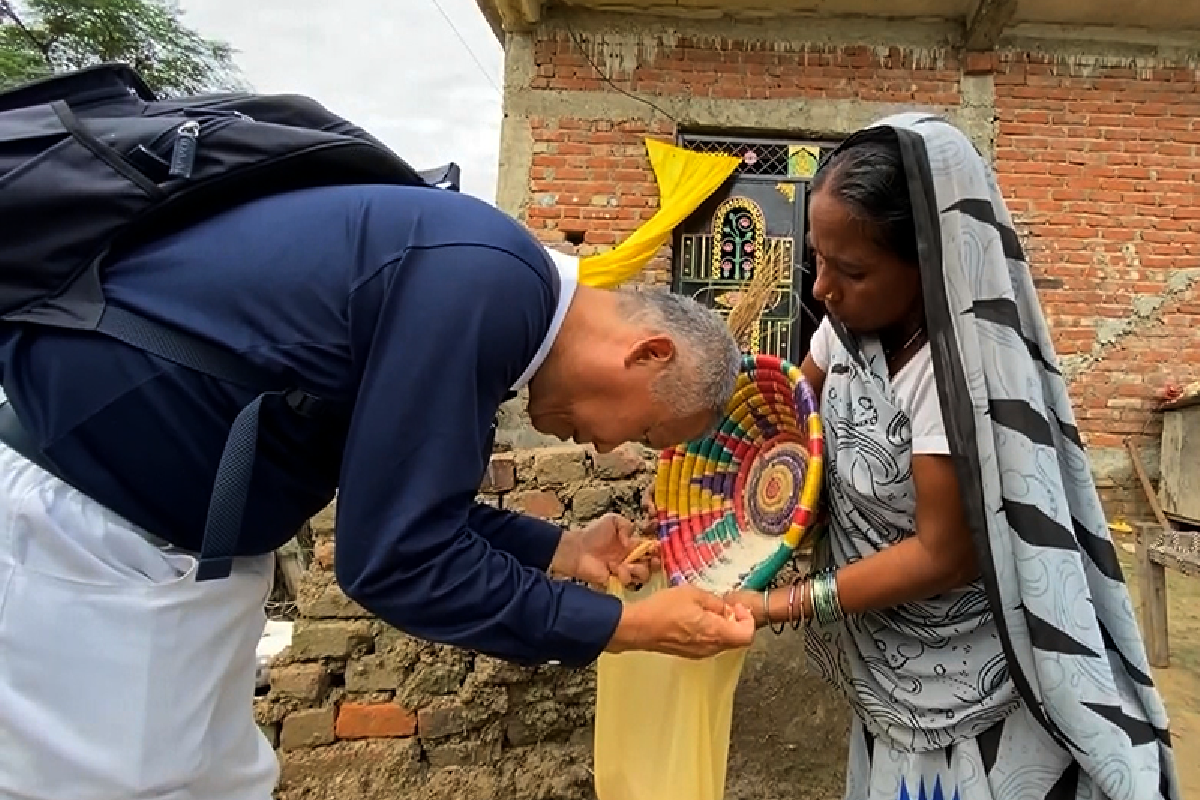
x: 869, y: 178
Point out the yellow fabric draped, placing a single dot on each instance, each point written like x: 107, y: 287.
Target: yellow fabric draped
x: 663, y: 723
x: 685, y: 180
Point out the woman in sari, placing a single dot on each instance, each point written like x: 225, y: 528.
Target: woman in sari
x: 967, y: 598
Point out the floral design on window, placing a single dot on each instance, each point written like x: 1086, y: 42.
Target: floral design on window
x: 739, y: 229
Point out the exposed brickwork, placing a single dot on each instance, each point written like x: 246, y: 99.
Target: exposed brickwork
x: 1100, y: 165
x: 592, y: 177
x: 751, y: 70
x: 1098, y: 159
x: 347, y: 681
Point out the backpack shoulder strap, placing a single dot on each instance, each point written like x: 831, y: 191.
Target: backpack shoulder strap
x: 231, y: 487
x: 178, y: 347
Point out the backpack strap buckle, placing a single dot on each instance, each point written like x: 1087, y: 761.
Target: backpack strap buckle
x: 303, y: 403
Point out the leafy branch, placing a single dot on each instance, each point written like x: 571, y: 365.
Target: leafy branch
x: 39, y: 37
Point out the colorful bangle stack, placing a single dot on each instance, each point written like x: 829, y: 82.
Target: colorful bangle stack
x: 826, y: 607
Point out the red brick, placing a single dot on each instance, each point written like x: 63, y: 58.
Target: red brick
x: 538, y: 504
x: 374, y: 721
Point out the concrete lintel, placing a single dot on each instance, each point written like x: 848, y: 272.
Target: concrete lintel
x: 531, y: 10
x: 510, y: 15
x: 816, y: 118
x: 1106, y: 44
x: 987, y: 23
x: 803, y: 30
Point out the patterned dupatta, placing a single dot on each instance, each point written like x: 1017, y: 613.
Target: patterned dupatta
x: 1050, y: 623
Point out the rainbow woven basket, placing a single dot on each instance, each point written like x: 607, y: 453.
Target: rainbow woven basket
x: 734, y: 506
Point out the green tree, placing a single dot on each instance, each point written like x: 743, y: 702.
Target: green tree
x: 41, y: 37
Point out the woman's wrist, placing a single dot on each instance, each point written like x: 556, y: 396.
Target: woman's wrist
x: 813, y: 598
x: 788, y: 605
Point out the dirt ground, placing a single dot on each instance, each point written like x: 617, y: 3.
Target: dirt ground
x: 776, y: 754
x: 788, y: 740
x: 1179, y: 682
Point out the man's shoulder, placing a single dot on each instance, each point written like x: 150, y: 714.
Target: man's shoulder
x: 423, y: 217
x: 453, y: 219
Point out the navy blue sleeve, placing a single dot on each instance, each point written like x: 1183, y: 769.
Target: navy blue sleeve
x: 533, y: 541
x: 450, y: 329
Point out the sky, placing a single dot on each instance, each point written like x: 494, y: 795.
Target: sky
x: 394, y: 67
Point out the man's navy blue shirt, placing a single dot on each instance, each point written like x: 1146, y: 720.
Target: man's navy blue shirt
x: 411, y: 311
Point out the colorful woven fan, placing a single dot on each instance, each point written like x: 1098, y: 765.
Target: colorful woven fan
x: 732, y: 507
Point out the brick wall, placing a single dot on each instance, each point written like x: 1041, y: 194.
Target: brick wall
x: 592, y: 177
x: 742, y: 69
x: 1096, y: 152
x: 358, y: 709
x: 1099, y: 162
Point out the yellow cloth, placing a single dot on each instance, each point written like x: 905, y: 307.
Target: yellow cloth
x: 662, y: 723
x: 685, y: 180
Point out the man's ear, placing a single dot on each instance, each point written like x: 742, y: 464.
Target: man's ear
x: 653, y: 349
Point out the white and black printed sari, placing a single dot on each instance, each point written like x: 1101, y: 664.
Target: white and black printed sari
x: 1032, y: 683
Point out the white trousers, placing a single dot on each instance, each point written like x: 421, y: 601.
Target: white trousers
x: 121, y: 677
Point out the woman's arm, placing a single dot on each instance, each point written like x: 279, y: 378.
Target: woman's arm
x: 940, y: 557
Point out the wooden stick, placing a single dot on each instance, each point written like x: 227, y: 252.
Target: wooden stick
x: 1147, y: 487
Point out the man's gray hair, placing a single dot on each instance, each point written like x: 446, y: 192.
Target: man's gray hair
x: 705, y: 371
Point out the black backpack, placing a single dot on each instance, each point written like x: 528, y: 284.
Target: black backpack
x: 92, y: 163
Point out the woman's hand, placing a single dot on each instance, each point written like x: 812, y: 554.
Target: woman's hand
x: 753, y: 602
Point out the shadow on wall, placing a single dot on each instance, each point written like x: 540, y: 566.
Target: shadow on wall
x: 360, y: 711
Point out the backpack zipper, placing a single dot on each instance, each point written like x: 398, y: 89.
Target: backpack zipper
x: 183, y: 154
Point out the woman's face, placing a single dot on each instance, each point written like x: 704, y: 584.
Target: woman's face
x: 863, y: 285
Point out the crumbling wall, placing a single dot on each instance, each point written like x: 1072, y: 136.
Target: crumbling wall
x: 359, y: 710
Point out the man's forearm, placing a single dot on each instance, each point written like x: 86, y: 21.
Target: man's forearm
x: 531, y: 541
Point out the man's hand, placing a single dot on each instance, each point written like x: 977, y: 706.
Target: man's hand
x: 597, y: 553
x: 683, y: 621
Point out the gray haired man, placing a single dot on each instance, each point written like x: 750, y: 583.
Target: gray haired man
x: 413, y: 314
